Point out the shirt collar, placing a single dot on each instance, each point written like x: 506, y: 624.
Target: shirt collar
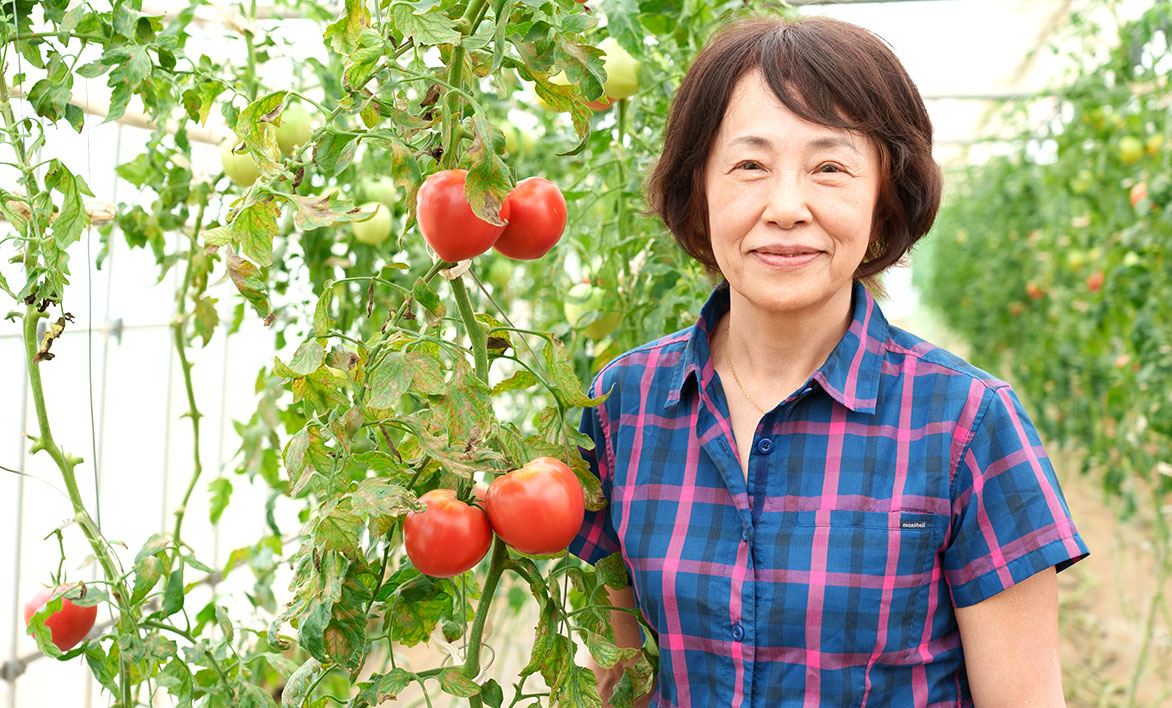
x: 850, y: 374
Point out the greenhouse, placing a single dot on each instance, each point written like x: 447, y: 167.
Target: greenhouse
x: 583, y: 353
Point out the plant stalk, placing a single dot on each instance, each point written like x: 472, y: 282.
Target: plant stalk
x: 65, y: 463
x: 180, y: 328
x: 476, y: 331
x: 496, y: 565
x: 1164, y: 533
x: 470, y: 19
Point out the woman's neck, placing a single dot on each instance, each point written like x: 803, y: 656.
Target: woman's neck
x: 773, y: 353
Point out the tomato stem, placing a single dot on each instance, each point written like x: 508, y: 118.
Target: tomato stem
x: 496, y: 566
x: 476, y: 331
x: 180, y: 327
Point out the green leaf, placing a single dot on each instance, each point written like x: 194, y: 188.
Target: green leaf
x: 427, y: 28
x: 294, y: 457
x: 606, y: 654
x: 382, y: 688
x: 321, y: 313
x: 345, y: 637
x: 520, y: 380
x: 453, y: 682
x: 147, y: 571
x: 317, y: 210
x: 382, y: 502
x: 379, y: 462
x: 156, y: 544
x: 543, y: 642
x: 333, y: 152
x: 250, y: 695
x: 492, y: 694
x: 224, y: 623
x: 221, y: 493
x: 390, y: 380
x: 198, y: 101
x: 575, y: 687
x: 299, y: 685
x: 338, y: 529
x: 254, y: 125
x: 205, y: 318
x: 567, y: 386
x: 72, y: 217
x: 252, y: 230
x: 320, y: 390
x: 426, y: 296
x: 343, y: 34
x: 465, y: 409
x: 172, y: 593
x: 416, y: 607
x: 612, y: 571
x: 488, y: 181
x: 249, y: 281
x: 308, y: 357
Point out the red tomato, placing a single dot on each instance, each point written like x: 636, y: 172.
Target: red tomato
x: 537, y: 218
x: 70, y: 624
x: 449, y: 537
x: 447, y: 221
x: 1095, y: 281
x: 537, y: 509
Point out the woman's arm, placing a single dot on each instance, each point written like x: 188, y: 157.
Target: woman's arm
x: 626, y: 634
x: 1011, y: 645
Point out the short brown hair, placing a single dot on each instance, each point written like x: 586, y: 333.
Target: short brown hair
x: 828, y: 72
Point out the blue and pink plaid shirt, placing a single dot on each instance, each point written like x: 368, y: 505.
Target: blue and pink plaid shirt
x: 899, y: 482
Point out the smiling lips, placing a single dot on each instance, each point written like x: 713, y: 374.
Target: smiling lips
x: 786, y: 256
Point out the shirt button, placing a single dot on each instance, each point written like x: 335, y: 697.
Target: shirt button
x: 764, y: 446
x: 745, y: 534
x: 738, y: 632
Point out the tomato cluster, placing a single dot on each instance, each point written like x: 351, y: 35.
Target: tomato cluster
x: 537, y: 509
x: 533, y: 216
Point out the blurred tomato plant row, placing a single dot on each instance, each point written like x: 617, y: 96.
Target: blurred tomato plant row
x: 1054, y: 263
x: 397, y: 373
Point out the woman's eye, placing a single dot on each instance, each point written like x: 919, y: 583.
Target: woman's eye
x: 749, y: 165
x: 829, y: 168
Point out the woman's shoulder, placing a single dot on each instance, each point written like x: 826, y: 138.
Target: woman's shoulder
x: 662, y: 354
x: 936, y: 360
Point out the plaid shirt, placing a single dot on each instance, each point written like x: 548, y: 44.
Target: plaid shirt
x: 899, y: 482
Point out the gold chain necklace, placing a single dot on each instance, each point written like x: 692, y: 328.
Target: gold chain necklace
x: 734, y: 372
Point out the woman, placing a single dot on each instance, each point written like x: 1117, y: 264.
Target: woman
x: 816, y: 508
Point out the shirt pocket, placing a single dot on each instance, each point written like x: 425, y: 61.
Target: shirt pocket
x: 869, y: 573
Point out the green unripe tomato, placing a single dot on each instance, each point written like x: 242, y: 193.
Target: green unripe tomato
x: 294, y: 129
x: 1131, y: 150
x: 517, y: 140
x: 382, y: 190
x: 377, y: 228
x: 240, y: 168
x: 583, y: 302
x: 622, y: 70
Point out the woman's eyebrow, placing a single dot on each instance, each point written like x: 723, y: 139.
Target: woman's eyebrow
x: 830, y: 141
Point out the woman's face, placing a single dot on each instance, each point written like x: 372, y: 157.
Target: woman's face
x: 790, y: 203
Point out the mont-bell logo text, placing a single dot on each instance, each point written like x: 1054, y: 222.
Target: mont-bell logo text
x: 913, y: 521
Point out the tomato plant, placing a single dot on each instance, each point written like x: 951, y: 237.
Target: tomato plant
x: 391, y: 375
x: 1090, y: 249
x: 537, y: 509
x: 537, y: 218
x: 70, y: 624
x: 450, y: 537
x: 447, y: 221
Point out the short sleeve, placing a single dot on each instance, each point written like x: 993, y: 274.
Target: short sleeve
x: 1009, y: 518
x: 597, y: 538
